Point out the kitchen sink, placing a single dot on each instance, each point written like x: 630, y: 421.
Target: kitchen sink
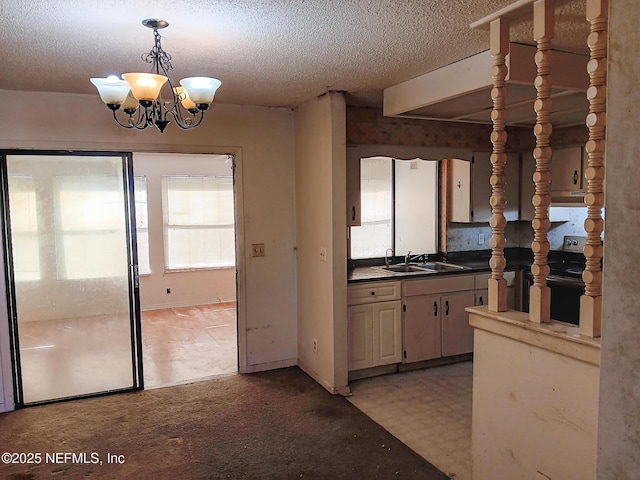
x: 428, y: 267
x: 404, y: 268
x: 441, y: 266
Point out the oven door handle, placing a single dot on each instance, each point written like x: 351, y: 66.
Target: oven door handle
x: 566, y: 281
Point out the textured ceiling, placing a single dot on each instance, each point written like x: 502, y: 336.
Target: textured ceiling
x: 265, y: 52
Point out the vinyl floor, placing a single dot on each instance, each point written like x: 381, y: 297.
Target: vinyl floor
x: 428, y: 410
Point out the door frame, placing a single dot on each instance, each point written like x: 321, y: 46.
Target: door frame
x: 6, y: 378
x: 10, y: 371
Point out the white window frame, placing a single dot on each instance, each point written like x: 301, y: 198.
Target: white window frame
x: 225, y: 224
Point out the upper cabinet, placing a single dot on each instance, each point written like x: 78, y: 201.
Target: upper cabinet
x: 353, y: 187
x: 471, y: 188
x: 568, y: 184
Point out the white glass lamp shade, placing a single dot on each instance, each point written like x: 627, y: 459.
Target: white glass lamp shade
x: 184, y: 98
x: 145, y: 86
x: 201, y: 89
x: 112, y: 90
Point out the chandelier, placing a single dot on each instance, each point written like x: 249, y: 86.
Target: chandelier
x: 139, y: 95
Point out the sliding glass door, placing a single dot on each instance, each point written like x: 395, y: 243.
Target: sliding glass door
x: 69, y: 241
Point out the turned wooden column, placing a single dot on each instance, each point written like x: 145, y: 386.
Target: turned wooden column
x: 539, y: 293
x: 499, y: 37
x: 591, y: 301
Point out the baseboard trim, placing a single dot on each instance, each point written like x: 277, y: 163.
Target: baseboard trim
x: 261, y: 367
x: 192, y: 303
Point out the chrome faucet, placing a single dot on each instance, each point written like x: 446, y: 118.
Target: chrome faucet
x: 387, y: 262
x: 408, y: 259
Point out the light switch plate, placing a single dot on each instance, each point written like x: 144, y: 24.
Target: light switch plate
x: 257, y: 250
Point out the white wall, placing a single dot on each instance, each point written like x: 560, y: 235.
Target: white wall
x: 321, y: 224
x: 262, y: 141
x: 191, y: 287
x: 533, y: 411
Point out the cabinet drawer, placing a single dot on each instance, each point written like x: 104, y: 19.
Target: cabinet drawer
x: 483, y: 278
x: 373, y: 292
x: 452, y: 283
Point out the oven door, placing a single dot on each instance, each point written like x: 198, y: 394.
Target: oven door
x: 565, y: 296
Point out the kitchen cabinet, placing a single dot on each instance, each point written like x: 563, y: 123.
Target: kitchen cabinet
x: 471, y: 188
x: 567, y: 171
x: 422, y: 328
x: 457, y: 334
x: 482, y: 292
x: 527, y: 190
x: 374, y: 331
x: 434, y: 317
x: 353, y: 187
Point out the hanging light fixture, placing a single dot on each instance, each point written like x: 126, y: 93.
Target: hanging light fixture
x: 139, y: 95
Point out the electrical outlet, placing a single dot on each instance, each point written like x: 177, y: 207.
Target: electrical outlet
x: 315, y: 345
x: 481, y: 239
x: 323, y: 254
x: 257, y: 250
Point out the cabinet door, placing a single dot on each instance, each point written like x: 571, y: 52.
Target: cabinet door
x: 460, y: 186
x: 422, y: 329
x: 353, y: 187
x: 457, y: 335
x: 387, y: 332
x: 481, y: 186
x: 471, y: 188
x: 482, y: 296
x: 566, y: 169
x: 360, y: 336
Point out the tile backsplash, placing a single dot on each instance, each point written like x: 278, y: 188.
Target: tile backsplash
x: 465, y: 236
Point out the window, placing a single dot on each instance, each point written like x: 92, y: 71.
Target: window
x: 374, y: 235
x: 90, y: 245
x: 142, y: 224
x: 399, y: 208
x: 24, y: 228
x: 199, y: 230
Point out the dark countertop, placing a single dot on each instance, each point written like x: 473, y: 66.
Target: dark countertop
x: 473, y: 262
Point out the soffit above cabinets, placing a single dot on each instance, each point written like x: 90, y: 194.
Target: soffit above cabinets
x: 461, y: 91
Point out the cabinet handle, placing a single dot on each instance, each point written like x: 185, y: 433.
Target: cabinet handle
x: 446, y: 309
x: 575, y: 177
x: 353, y: 213
x: 373, y: 293
x: 435, y: 309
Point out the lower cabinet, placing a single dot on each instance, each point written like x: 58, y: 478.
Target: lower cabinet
x: 374, y: 327
x: 482, y: 292
x: 457, y: 334
x: 434, y: 318
x: 414, y: 320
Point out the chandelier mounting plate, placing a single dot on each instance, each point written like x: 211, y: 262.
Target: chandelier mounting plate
x: 155, y: 23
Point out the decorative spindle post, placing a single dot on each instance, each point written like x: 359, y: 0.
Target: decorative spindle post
x: 497, y: 285
x: 540, y: 294
x: 591, y: 301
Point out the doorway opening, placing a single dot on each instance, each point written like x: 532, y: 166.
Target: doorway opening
x: 72, y: 292
x: 186, y: 229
